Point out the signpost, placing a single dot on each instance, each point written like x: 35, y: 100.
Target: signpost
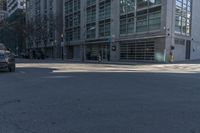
x: 62, y: 50
x: 62, y: 46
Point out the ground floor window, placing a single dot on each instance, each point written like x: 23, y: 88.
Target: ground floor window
x: 98, y: 52
x: 141, y: 50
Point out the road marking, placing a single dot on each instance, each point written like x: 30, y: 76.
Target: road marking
x: 22, y: 72
x: 57, y: 77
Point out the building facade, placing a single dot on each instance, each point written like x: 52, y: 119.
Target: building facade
x: 131, y: 30
x: 15, y: 5
x: 3, y: 5
x: 3, y: 15
x: 45, y: 20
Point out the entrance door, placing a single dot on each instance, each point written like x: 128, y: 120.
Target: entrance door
x: 94, y: 52
x: 70, y: 52
x: 104, y: 52
x: 188, y: 48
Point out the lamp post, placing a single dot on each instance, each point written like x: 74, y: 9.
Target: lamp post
x: 54, y: 48
x: 83, y: 47
x: 52, y: 53
x: 62, y: 46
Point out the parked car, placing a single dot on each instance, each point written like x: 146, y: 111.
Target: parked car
x: 7, y: 59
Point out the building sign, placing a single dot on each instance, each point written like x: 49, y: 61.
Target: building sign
x: 114, y: 48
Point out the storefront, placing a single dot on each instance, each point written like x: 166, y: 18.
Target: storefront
x: 140, y: 50
x: 98, y: 52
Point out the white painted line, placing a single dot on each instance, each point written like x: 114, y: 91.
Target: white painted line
x: 22, y: 72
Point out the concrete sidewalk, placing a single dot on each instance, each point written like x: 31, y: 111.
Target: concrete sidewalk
x: 66, y: 61
x: 81, y: 62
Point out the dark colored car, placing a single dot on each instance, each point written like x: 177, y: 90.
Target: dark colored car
x: 7, y: 59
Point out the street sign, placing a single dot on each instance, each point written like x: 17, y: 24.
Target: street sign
x: 114, y: 48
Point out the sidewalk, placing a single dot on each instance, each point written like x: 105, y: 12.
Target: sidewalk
x: 103, y: 62
x: 80, y: 62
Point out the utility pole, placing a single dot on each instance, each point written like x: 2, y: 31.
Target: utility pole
x: 62, y: 46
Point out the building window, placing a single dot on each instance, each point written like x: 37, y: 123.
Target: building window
x: 127, y: 6
x: 183, y: 17
x: 76, y: 5
x: 179, y: 41
x: 69, y: 7
x: 104, y: 18
x: 146, y: 17
x: 91, y: 14
x: 142, y: 4
x: 142, y: 50
x: 104, y: 9
x: 154, y: 2
x: 91, y: 32
x: 127, y: 23
x: 76, y: 33
x: 91, y: 2
x: 69, y: 35
x: 104, y: 28
x: 77, y: 19
x: 142, y: 21
x: 154, y: 19
x: 72, y: 20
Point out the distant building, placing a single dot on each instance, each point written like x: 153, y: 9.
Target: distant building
x: 132, y: 30
x: 116, y: 30
x: 15, y: 5
x: 3, y: 5
x: 3, y: 15
x: 45, y: 19
x: 12, y: 31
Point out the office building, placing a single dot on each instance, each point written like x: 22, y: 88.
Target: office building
x: 3, y: 5
x: 15, y: 5
x: 45, y: 19
x: 3, y: 13
x: 132, y: 30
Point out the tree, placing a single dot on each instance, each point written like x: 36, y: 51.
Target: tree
x: 13, y: 31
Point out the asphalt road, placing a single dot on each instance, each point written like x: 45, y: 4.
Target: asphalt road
x: 57, y: 97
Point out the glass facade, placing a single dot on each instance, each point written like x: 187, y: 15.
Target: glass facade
x: 72, y: 20
x: 127, y: 6
x: 103, y: 21
x: 91, y: 19
x: 139, y: 16
x: 135, y: 16
x: 183, y: 17
x: 139, y: 50
x: 104, y: 18
x: 91, y: 2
